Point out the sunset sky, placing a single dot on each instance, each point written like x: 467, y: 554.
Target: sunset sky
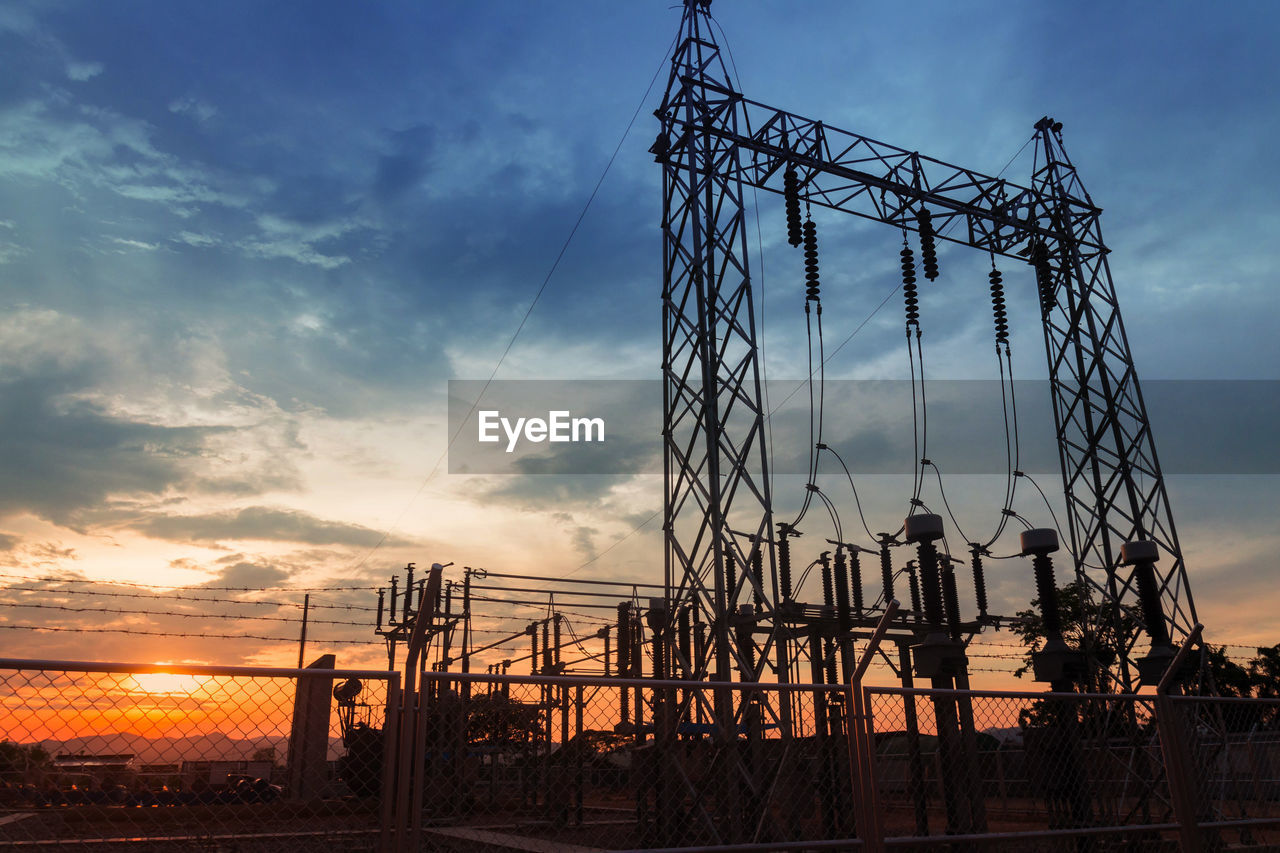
x: 244, y: 246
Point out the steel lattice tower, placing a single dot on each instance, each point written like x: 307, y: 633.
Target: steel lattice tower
x: 717, y: 510
x: 717, y: 517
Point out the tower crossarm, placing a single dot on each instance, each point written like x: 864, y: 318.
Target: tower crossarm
x: 855, y: 174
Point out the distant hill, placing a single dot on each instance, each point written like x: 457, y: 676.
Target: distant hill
x: 168, y: 750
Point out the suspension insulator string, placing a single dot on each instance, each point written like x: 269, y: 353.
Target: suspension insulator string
x: 999, y: 314
x: 811, y: 282
x: 928, y: 250
x: 791, y: 194
x: 909, y: 295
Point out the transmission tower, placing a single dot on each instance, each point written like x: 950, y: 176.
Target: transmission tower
x: 713, y: 143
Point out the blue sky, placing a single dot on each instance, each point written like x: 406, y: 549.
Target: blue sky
x: 243, y: 247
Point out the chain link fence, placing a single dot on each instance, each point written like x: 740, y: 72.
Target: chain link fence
x: 624, y: 764
x: 251, y: 759
x: 183, y: 758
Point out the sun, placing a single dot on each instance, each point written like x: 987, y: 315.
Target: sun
x: 165, y: 683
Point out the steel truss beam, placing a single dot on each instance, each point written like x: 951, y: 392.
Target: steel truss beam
x: 713, y: 142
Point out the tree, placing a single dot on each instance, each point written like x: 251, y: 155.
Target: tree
x: 494, y: 720
x: 16, y: 758
x: 1087, y: 625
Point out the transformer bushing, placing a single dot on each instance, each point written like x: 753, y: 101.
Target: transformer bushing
x: 1057, y: 663
x: 939, y: 654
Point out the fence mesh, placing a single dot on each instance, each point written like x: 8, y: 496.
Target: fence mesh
x: 200, y: 758
x: 249, y: 760
x: 609, y: 767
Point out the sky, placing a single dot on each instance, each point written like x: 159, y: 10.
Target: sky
x: 245, y: 246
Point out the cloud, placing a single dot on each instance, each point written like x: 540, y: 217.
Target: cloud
x: 194, y: 107
x: 82, y: 71
x: 249, y: 575
x: 63, y: 456
x: 8, y: 541
x: 260, y: 523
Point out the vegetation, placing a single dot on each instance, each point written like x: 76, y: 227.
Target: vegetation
x: 16, y: 758
x: 1087, y: 625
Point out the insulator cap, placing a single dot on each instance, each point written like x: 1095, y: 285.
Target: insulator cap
x: 1143, y: 551
x: 925, y: 527
x: 1039, y: 540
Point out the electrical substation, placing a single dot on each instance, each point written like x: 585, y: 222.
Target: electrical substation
x: 822, y: 656
x: 726, y: 688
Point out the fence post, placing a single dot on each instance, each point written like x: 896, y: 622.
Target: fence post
x: 1176, y: 750
x: 862, y: 752
x: 390, y: 728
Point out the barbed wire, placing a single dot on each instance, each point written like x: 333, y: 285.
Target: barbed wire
x: 180, y: 634
x: 163, y: 597
x: 155, y: 613
x: 52, y: 579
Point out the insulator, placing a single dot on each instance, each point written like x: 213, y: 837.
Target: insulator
x: 830, y: 660
x: 842, y: 590
x: 855, y: 569
x: 791, y: 192
x: 699, y: 640
x: 913, y: 580
x: 909, y: 295
x: 886, y: 571
x: 997, y: 306
x: 533, y: 649
x: 747, y: 649
x: 951, y: 602
x: 608, y: 652
x: 1044, y: 277
x: 928, y: 251
x: 637, y: 648
x: 382, y: 597
x: 624, y: 637
x: 930, y: 583
x: 546, y: 647
x: 1144, y: 574
x: 1047, y: 591
x: 730, y: 576
x: 757, y: 577
x: 556, y: 648
x: 828, y: 589
x: 784, y: 562
x: 979, y: 581
x: 811, y: 283
x: 391, y: 620
x: 685, y: 640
